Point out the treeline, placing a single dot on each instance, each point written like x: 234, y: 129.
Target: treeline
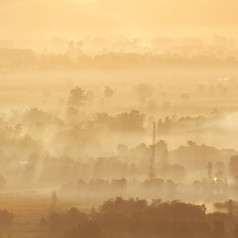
x: 191, y: 123
x: 23, y: 150
x: 141, y: 218
x: 131, y: 218
x: 25, y: 58
x: 103, y: 189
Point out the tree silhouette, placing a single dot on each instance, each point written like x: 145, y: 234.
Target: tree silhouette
x: 6, y: 219
x: 76, y: 98
x: 108, y: 92
x: 235, y: 232
x: 88, y: 229
x: 54, y: 200
x: 219, y: 229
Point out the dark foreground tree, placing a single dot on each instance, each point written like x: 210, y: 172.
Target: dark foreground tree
x: 219, y: 229
x: 6, y: 219
x: 88, y: 229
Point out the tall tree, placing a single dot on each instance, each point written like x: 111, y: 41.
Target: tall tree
x: 76, y: 97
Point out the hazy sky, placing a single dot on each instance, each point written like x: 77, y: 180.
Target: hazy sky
x: 80, y: 17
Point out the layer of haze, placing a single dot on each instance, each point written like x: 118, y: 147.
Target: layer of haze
x: 82, y: 82
x: 41, y: 18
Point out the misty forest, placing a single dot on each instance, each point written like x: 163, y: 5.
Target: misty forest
x: 118, y: 126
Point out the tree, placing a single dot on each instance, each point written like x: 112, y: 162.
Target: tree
x: 235, y: 232
x: 219, y: 229
x: 54, y: 199
x: 191, y: 143
x: 133, y: 120
x: 87, y: 229
x: 55, y: 221
x: 76, y: 98
x: 73, y: 217
x: 108, y: 92
x: 6, y: 219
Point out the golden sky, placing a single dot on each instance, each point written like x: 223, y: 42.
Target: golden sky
x: 76, y: 17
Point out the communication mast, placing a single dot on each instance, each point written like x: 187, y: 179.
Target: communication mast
x: 152, y: 159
